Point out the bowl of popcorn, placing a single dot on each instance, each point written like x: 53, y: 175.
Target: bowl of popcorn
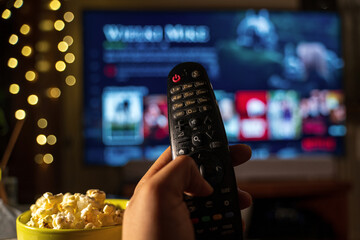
x: 69, y: 216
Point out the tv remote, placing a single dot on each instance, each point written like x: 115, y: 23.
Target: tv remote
x: 196, y: 129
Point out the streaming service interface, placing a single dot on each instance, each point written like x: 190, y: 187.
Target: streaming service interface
x: 277, y: 78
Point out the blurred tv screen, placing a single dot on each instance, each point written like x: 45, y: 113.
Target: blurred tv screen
x: 277, y: 76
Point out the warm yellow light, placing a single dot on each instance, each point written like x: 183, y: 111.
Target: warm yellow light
x: 42, y: 123
x: 18, y: 3
x: 42, y: 46
x: 13, y: 39
x: 6, y: 14
x: 14, y: 88
x: 39, y: 158
x: 41, y: 139
x: 60, y: 66
x: 70, y: 80
x: 26, y: 51
x: 63, y: 46
x: 30, y: 76
x: 69, y: 16
x: 53, y: 92
x: 59, y: 25
x: 54, y: 5
x: 42, y: 65
x: 69, y: 58
x: 46, y: 25
x: 51, y: 139
x: 48, y: 158
x: 69, y: 40
x: 33, y: 99
x: 20, y: 114
x: 12, y: 63
x: 25, y: 29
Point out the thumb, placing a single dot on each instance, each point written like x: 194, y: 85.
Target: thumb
x: 182, y: 175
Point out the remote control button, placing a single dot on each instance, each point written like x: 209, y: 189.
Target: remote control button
x: 225, y: 190
x: 191, y: 111
x: 193, y: 122
x: 186, y: 86
x: 188, y: 94
x: 202, y: 100
x: 209, y: 204
x: 175, y: 89
x: 183, y: 151
x: 205, y: 108
x: 227, y: 226
x: 177, y: 105
x: 176, y: 97
x: 216, y: 144
x: 229, y: 214
x: 201, y: 91
x: 197, y: 140
x: 210, y: 134
x: 213, y: 228
x: 189, y: 102
x: 198, y: 84
x: 217, y: 217
x: 195, y: 74
x: 226, y: 203
x: 205, y: 219
x: 176, y: 78
x: 195, y: 220
x: 178, y: 114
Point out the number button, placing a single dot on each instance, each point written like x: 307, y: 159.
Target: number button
x: 175, y: 89
x: 186, y: 86
x: 176, y: 97
x: 177, y: 106
x: 188, y: 94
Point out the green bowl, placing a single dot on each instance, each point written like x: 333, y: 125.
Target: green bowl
x: 25, y: 232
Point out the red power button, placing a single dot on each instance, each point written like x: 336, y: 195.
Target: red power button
x: 176, y: 78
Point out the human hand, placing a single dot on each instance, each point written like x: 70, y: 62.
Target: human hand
x: 157, y: 210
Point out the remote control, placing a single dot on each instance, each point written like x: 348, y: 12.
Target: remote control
x: 196, y: 129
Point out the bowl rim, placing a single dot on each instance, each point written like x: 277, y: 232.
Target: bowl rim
x: 21, y: 224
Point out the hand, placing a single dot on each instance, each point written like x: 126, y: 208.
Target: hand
x: 157, y: 210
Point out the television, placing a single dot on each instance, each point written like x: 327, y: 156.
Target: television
x: 277, y: 76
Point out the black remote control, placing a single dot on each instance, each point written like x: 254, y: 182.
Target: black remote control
x: 196, y: 129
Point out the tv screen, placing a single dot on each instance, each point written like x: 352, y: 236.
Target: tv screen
x: 277, y: 76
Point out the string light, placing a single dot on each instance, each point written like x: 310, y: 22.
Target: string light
x: 48, y: 158
x: 70, y: 80
x: 69, y: 58
x: 63, y: 46
x: 60, y: 66
x: 59, y: 25
x: 18, y: 3
x: 20, y: 114
x: 33, y: 99
x: 14, y: 88
x: 53, y: 92
x: 12, y: 62
x: 54, y: 5
x: 42, y: 66
x: 30, y: 75
x: 26, y: 51
x: 69, y: 40
x: 42, y: 46
x: 42, y: 123
x: 46, y: 25
x: 13, y: 39
x: 51, y: 139
x: 68, y: 17
x: 41, y: 139
x: 25, y: 29
x: 39, y: 158
x: 6, y: 14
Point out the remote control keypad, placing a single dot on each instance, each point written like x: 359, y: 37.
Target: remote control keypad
x: 197, y: 132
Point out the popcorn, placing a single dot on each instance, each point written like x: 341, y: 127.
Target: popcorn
x: 77, y: 211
